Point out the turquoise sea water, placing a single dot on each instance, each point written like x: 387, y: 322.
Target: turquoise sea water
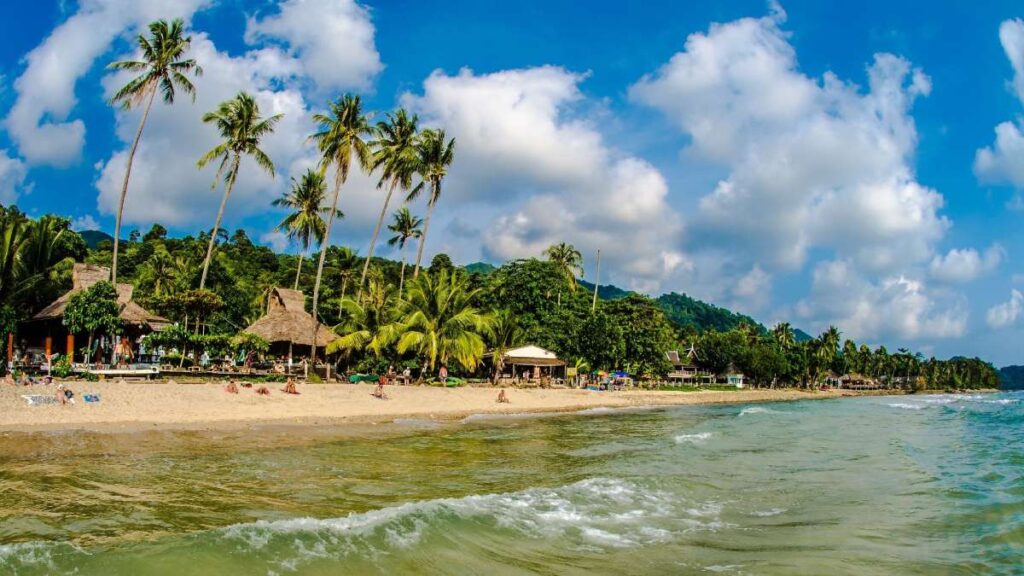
x: 879, y: 485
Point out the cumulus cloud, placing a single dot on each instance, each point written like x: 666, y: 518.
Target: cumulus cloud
x: 84, y: 223
x: 39, y: 122
x: 527, y: 143
x: 1003, y: 161
x: 894, y: 307
x: 332, y: 39
x: 12, y: 177
x: 966, y: 264
x: 1006, y: 313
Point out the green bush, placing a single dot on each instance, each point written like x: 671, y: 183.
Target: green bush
x: 89, y: 377
x: 314, y: 378
x: 61, y: 367
x: 175, y: 360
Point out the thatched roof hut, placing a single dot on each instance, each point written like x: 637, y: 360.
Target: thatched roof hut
x: 287, y: 321
x: 83, y: 277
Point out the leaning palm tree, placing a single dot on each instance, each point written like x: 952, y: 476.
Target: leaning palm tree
x: 341, y: 136
x: 439, y: 321
x: 162, y: 67
x: 395, y: 154
x: 435, y: 156
x: 242, y: 128
x: 405, y: 226
x: 569, y: 262
x: 305, y: 223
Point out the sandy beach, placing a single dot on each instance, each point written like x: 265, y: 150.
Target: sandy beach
x: 133, y: 406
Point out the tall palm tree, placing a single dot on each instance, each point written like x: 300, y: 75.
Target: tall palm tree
x: 364, y: 321
x: 342, y: 135
x: 405, y: 226
x: 395, y: 154
x: 440, y: 323
x: 784, y: 335
x: 162, y: 67
x: 239, y: 122
x: 569, y: 262
x: 435, y: 156
x: 305, y: 223
x: 506, y: 333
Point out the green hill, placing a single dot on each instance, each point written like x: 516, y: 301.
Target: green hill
x: 684, y: 312
x: 94, y: 237
x: 1011, y: 378
x: 605, y: 291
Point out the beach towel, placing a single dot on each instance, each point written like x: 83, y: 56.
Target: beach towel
x: 39, y: 399
x: 91, y: 398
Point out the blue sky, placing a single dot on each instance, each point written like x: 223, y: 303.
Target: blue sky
x: 808, y: 161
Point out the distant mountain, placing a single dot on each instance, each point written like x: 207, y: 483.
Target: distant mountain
x: 684, y: 311
x: 94, y: 237
x: 802, y: 336
x: 1011, y: 378
x: 605, y: 291
x: 482, y: 268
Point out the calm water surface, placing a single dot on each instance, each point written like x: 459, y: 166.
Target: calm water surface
x: 907, y: 485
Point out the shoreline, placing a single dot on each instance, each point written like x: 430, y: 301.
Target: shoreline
x: 136, y: 407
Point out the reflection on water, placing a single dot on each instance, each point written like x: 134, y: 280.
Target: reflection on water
x: 915, y: 485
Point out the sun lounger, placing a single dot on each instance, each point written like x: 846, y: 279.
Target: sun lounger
x: 39, y: 399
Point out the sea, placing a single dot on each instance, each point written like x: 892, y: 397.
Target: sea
x: 902, y: 485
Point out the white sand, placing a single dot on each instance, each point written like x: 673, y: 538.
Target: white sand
x: 134, y: 406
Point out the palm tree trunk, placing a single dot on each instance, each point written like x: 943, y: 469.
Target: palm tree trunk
x: 299, y: 269
x: 320, y: 265
x: 401, y: 277
x: 216, y: 225
x: 423, y: 237
x: 376, y: 232
x: 124, y: 187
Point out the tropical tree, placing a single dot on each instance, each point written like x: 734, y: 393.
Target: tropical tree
x: 162, y: 67
x: 242, y: 127
x: 94, y: 310
x: 364, y: 321
x: 305, y: 222
x: 406, y: 227
x: 342, y: 135
x: 435, y: 157
x: 569, y: 262
x: 440, y: 323
x: 506, y: 333
x: 395, y: 154
x: 784, y: 335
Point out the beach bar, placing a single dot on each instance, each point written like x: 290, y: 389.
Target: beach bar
x: 530, y: 364
x: 287, y: 325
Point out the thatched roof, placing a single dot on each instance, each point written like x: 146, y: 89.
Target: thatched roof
x: 83, y: 277
x: 288, y: 321
x: 530, y: 356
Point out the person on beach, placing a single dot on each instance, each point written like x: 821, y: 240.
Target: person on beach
x: 407, y: 376
x: 378, y: 392
x: 231, y: 388
x: 289, y: 388
x: 64, y: 395
x: 502, y: 397
x: 442, y: 374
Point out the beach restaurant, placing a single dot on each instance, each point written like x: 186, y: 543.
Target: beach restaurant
x: 287, y: 325
x: 530, y: 363
x: 45, y: 332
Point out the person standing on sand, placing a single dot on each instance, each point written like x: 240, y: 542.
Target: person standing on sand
x: 442, y: 374
x: 502, y: 397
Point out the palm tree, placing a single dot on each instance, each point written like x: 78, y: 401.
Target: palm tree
x: 784, y: 335
x: 405, y: 227
x: 158, y: 271
x: 439, y: 321
x: 161, y: 67
x: 242, y: 128
x: 569, y: 262
x: 435, y: 156
x: 341, y: 135
x: 346, y: 261
x: 305, y: 223
x: 365, y: 320
x: 395, y: 153
x: 506, y: 333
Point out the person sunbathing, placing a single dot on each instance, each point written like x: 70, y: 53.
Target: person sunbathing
x: 502, y: 397
x: 263, y: 391
x: 231, y: 388
x: 65, y: 396
x: 289, y: 388
x: 378, y: 392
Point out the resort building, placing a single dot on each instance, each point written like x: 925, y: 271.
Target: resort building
x: 529, y: 364
x: 287, y: 325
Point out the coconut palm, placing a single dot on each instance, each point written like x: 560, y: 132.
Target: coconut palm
x: 341, y: 136
x: 239, y: 122
x: 506, y: 333
x: 783, y: 334
x: 305, y: 223
x: 364, y: 321
x: 406, y: 227
x: 439, y: 322
x: 161, y: 67
x: 395, y: 154
x: 569, y: 262
x: 435, y: 156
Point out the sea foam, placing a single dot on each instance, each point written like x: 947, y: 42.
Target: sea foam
x: 698, y: 438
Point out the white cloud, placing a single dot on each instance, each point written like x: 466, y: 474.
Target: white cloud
x: 527, y: 144
x: 83, y: 223
x: 333, y: 40
x: 1006, y: 313
x: 39, y: 122
x: 12, y: 177
x: 277, y: 241
x: 894, y: 307
x: 1003, y: 161
x: 964, y: 265
x: 811, y: 163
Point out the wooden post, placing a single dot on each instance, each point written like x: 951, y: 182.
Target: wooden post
x: 10, y: 348
x: 49, y: 355
x: 71, y: 348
